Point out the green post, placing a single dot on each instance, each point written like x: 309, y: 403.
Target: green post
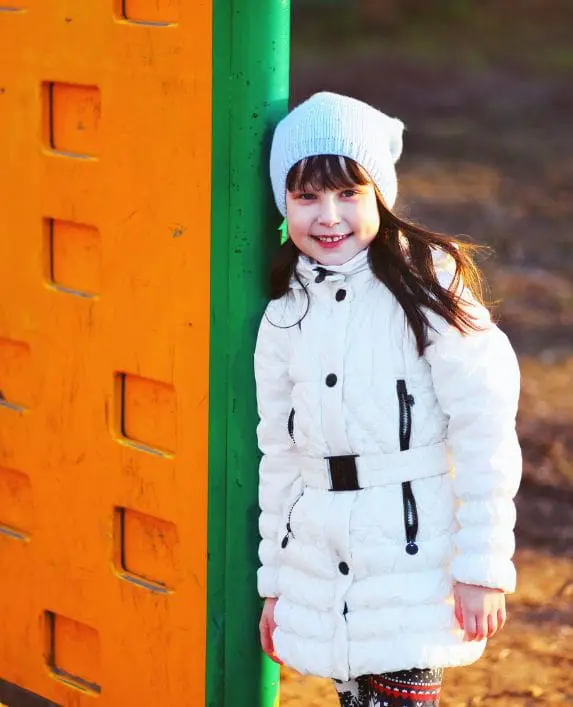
x: 250, y: 94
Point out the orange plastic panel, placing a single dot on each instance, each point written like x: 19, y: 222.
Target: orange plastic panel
x: 105, y: 132
x: 16, y: 505
x: 73, y: 652
x: 15, y: 380
x: 148, y: 550
x: 152, y: 10
x: 148, y: 412
x: 72, y: 116
x: 73, y: 256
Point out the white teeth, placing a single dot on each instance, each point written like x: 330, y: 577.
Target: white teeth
x: 330, y: 239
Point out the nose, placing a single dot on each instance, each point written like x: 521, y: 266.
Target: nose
x: 328, y: 215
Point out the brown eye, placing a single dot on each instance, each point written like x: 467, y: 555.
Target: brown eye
x: 349, y: 193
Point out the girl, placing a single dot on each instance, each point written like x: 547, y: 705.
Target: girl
x: 387, y: 402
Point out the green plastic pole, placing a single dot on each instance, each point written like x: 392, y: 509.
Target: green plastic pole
x: 250, y: 94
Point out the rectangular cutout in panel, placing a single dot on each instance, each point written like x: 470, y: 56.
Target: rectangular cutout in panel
x: 72, y: 118
x: 146, y: 550
x: 73, y: 257
x: 15, y: 504
x: 147, y: 413
x: 73, y: 653
x: 14, y: 5
x: 153, y: 12
x: 15, y: 383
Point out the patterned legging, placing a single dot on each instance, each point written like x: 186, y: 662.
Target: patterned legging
x: 406, y: 688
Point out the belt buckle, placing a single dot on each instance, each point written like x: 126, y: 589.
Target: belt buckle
x: 343, y: 473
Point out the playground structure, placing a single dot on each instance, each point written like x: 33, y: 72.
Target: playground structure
x: 133, y: 226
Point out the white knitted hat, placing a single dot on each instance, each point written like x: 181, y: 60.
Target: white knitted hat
x: 331, y: 124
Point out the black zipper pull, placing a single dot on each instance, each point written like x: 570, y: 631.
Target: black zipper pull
x: 285, y: 540
x: 289, y: 533
x: 410, y: 518
x: 290, y: 425
x: 405, y: 402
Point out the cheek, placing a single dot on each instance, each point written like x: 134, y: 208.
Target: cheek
x: 297, y: 230
x: 374, y: 215
x: 298, y: 221
x: 370, y: 220
x: 376, y: 223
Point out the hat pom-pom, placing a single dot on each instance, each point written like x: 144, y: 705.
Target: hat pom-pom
x: 396, y: 132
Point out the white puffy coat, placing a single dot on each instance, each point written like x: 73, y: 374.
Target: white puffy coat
x: 351, y: 600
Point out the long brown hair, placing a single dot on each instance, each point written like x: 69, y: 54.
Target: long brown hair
x: 400, y: 255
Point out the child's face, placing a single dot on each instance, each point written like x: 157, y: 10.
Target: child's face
x: 332, y: 225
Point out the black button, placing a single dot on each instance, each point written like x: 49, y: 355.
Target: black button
x: 284, y: 542
x: 322, y: 274
x: 340, y: 295
x: 331, y: 380
x: 344, y: 568
x: 412, y: 548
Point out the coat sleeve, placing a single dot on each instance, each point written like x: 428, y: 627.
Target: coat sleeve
x: 278, y: 471
x: 476, y: 379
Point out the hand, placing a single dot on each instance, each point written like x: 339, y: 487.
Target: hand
x: 267, y: 627
x: 480, y: 611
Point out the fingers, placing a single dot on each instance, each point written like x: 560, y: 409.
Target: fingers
x: 479, y: 611
x: 267, y: 627
x: 501, y: 618
x: 492, y: 624
x: 265, y: 634
x: 481, y: 627
x: 459, y: 613
x: 496, y: 621
x: 469, y: 620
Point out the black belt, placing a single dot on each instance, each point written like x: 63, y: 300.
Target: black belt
x: 344, y: 477
x: 343, y: 473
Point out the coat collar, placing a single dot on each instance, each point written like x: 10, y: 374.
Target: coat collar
x: 311, y: 272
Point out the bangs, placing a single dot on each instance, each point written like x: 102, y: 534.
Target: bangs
x: 326, y: 172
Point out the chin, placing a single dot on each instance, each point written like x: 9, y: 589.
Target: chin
x: 338, y: 258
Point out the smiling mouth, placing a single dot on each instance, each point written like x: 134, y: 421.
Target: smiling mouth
x: 331, y: 239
